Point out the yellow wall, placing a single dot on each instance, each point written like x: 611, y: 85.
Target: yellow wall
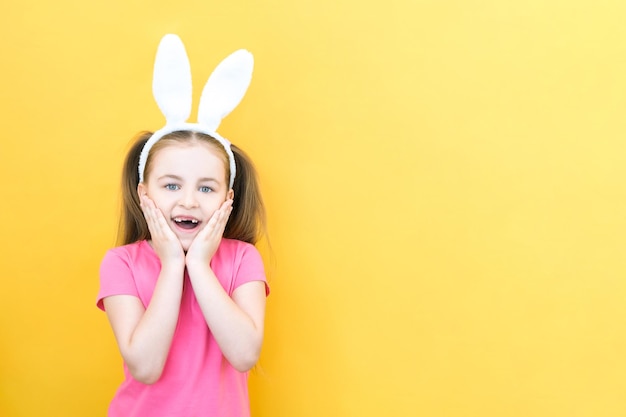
x: 445, y: 181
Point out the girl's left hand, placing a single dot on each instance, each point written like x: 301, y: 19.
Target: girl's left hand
x: 207, y: 241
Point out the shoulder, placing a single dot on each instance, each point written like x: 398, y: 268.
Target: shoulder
x: 132, y: 253
x: 127, y: 270
x: 236, y: 263
x: 132, y: 250
x: 138, y: 248
x: 237, y: 251
x: 236, y: 246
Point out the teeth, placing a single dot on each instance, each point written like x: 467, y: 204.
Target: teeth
x: 193, y: 221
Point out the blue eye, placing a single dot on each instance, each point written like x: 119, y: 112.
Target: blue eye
x: 205, y: 189
x: 172, y: 187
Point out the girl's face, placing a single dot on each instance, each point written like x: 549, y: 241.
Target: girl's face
x: 187, y: 182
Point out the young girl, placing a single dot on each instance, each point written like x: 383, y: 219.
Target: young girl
x: 185, y: 294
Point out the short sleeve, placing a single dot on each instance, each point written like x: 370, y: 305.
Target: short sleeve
x: 116, y: 277
x: 250, y: 268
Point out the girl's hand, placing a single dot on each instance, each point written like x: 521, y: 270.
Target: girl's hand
x: 207, y: 241
x: 164, y: 242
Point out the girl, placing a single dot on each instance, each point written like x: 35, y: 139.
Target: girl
x: 185, y: 294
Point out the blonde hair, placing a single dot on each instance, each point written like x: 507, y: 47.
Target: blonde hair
x: 247, y: 222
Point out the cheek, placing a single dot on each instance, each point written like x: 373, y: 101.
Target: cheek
x: 160, y: 199
x: 213, y: 203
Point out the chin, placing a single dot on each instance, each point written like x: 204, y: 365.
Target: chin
x: 185, y: 243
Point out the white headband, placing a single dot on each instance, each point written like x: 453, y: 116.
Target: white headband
x: 171, y: 87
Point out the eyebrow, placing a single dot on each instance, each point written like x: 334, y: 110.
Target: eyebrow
x: 177, y: 178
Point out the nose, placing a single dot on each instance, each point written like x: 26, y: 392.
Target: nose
x: 188, y: 199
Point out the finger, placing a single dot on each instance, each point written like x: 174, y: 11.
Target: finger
x: 149, y: 212
x: 217, y: 222
x: 211, y: 229
x: 227, y: 205
x: 227, y: 209
x: 145, y: 207
x: 156, y: 221
x: 221, y: 215
x: 224, y: 211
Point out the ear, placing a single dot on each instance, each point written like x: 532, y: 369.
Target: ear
x: 141, y: 190
x: 230, y: 195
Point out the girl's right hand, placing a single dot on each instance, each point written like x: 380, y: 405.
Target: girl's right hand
x: 164, y: 241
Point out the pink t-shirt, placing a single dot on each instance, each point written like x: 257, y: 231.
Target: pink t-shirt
x: 197, y: 380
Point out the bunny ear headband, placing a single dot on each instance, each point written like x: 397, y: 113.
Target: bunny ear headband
x: 171, y: 87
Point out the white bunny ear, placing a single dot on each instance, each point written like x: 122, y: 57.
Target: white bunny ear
x: 171, y: 84
x: 225, y: 88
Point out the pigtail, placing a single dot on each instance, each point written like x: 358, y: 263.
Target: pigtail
x: 132, y: 226
x: 248, y: 220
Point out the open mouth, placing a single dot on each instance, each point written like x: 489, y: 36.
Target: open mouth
x: 186, y: 223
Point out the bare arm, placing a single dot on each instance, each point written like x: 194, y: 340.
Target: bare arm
x: 144, y: 336
x: 237, y: 322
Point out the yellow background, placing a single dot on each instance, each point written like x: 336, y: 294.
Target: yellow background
x: 444, y: 179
